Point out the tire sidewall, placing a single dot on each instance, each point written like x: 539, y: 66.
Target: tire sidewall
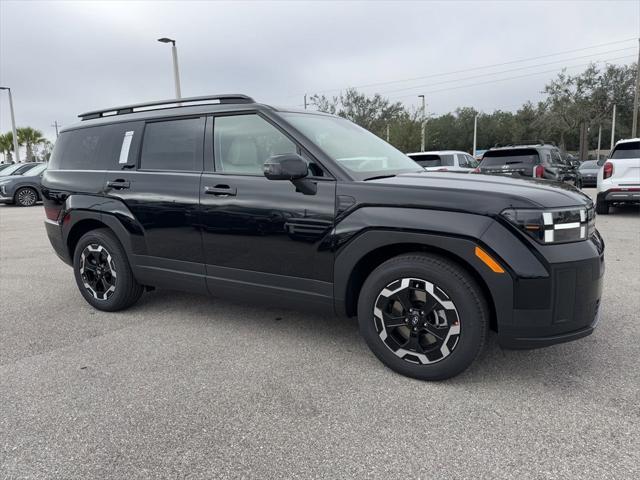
x: 473, y: 321
x: 118, y: 256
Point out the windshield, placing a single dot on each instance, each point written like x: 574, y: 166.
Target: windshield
x: 357, y: 150
x: 589, y: 165
x: 626, y: 150
x: 527, y: 156
x: 36, y: 170
x: 9, y: 170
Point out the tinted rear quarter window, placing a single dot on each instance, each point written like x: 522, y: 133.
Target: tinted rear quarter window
x: 94, y: 148
x: 174, y: 145
x: 526, y: 156
x: 626, y: 150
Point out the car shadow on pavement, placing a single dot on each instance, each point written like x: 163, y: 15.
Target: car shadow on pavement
x: 559, y: 363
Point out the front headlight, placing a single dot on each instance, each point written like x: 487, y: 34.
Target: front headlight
x: 554, y: 225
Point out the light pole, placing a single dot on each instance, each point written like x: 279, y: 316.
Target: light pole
x: 422, y: 130
x: 613, y: 128
x: 475, y: 134
x: 174, y: 53
x: 634, y: 127
x: 13, y: 125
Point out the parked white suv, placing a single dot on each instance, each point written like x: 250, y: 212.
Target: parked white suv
x: 444, y: 161
x: 619, y: 177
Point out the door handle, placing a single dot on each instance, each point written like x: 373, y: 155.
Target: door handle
x: 118, y: 184
x: 221, y: 190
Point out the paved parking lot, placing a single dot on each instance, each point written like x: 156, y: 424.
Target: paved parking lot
x: 182, y: 386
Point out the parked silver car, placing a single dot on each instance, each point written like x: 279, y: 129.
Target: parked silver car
x: 23, y: 190
x: 445, y: 161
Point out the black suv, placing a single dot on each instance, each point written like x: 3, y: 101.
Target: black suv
x: 225, y: 196
x: 537, y: 160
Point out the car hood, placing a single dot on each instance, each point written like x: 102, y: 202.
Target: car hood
x: 479, y: 193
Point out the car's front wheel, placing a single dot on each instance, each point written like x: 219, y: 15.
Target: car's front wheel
x: 103, y: 273
x: 26, y: 197
x: 423, y: 316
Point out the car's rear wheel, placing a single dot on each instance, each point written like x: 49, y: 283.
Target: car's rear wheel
x: 26, y: 197
x: 103, y: 273
x: 423, y: 316
x: 602, y: 207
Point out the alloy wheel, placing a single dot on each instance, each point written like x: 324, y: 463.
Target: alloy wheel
x: 417, y: 320
x: 27, y: 197
x: 98, y: 272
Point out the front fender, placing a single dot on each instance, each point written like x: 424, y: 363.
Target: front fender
x: 454, y: 234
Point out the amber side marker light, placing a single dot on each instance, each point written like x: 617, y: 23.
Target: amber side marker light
x: 488, y: 261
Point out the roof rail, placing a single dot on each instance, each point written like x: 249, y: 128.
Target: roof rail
x: 106, y: 112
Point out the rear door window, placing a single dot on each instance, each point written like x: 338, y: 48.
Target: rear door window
x: 173, y: 145
x: 626, y: 150
x: 515, y: 157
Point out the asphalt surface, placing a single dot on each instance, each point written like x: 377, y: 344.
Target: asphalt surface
x: 182, y: 386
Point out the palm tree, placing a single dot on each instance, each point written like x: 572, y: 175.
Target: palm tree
x: 6, y: 146
x: 29, y: 137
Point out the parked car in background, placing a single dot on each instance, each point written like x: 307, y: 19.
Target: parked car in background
x: 619, y: 177
x: 535, y: 160
x: 4, y: 165
x: 18, y: 168
x: 444, y: 161
x: 24, y: 190
x: 588, y: 174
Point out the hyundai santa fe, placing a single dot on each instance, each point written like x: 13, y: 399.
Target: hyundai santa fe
x: 222, y: 195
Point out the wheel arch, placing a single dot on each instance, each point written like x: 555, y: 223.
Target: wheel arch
x: 79, y: 229
x: 363, y: 255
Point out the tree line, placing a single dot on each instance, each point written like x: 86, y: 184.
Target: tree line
x: 572, y: 104
x: 37, y: 147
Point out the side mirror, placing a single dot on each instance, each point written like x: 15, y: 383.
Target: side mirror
x: 601, y: 162
x: 287, y: 166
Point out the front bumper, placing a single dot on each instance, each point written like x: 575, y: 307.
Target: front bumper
x: 5, y: 199
x: 563, y: 307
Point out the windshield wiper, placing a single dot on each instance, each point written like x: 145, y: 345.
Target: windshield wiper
x: 380, y: 176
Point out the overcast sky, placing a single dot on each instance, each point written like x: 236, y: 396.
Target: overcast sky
x: 63, y: 58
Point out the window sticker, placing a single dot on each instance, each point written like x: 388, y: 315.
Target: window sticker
x: 126, y: 144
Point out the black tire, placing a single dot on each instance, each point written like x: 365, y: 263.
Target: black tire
x: 453, y: 285
x: 26, y: 197
x: 115, y: 272
x: 602, y: 207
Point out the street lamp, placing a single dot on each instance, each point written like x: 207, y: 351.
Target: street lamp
x: 422, y: 130
x: 13, y: 125
x: 174, y: 53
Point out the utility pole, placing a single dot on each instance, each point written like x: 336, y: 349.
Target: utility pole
x: 174, y: 54
x: 475, y: 135
x: 423, y: 129
x: 305, y: 101
x: 599, y: 141
x: 13, y: 126
x: 387, y: 133
x: 56, y: 125
x: 634, y: 128
x: 613, y: 128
